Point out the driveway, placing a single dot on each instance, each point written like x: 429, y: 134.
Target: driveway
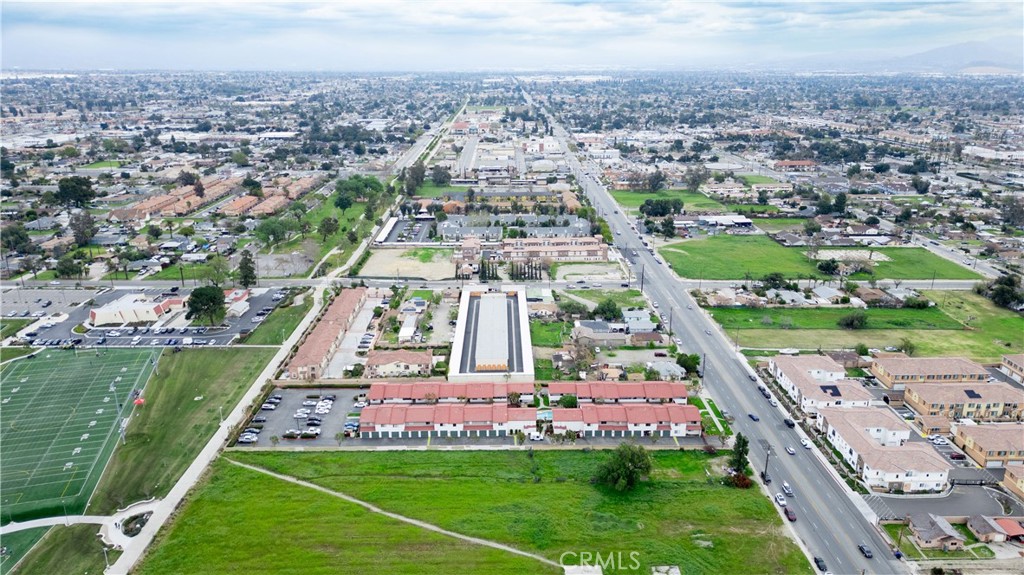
x: 345, y: 355
x: 963, y: 500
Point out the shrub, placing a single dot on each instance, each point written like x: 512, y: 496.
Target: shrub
x: 855, y: 320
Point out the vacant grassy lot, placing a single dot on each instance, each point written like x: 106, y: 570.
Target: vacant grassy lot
x: 691, y: 200
x: 180, y: 414
x: 194, y: 274
x: 752, y: 179
x: 725, y: 257
x: 626, y: 298
x: 428, y: 255
x: 103, y: 164
x: 992, y: 331
x: 75, y: 549
x: 280, y: 324
x: 827, y: 318
x: 241, y: 521
x: 730, y: 257
x: 549, y: 334
x: 431, y: 190
x: 544, y: 370
x: 750, y: 209
x: 775, y: 225
x: 545, y: 503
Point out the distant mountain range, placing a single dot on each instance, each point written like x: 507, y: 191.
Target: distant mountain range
x: 1002, y: 55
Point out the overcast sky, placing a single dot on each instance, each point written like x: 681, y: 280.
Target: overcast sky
x: 459, y: 35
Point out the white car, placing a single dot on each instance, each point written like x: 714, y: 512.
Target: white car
x: 359, y: 404
x: 941, y: 441
x: 678, y: 341
x: 780, y: 499
x: 773, y: 402
x: 790, y: 450
x: 806, y: 443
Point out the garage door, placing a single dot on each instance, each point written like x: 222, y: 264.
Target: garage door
x: 993, y: 464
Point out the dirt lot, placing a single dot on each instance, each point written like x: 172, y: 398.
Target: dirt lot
x: 392, y: 263
x: 851, y: 255
x: 609, y: 271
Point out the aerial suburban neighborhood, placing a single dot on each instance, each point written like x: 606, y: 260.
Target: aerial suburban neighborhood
x: 596, y: 320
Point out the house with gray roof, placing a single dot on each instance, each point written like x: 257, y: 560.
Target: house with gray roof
x: 934, y: 532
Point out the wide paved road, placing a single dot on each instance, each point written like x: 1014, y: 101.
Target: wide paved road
x: 828, y: 522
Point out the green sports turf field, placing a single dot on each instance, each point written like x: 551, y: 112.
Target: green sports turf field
x: 62, y: 410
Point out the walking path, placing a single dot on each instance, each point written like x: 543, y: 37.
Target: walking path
x: 374, y: 509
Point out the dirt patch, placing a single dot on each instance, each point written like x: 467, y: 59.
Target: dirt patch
x: 851, y: 255
x: 598, y: 272
x: 391, y: 263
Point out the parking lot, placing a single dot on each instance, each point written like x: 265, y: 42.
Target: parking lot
x: 347, y: 351
x: 36, y: 303
x: 412, y: 231
x: 283, y: 418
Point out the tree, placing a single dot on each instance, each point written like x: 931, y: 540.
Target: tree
x: 762, y: 197
x: 246, y: 270
x: 440, y: 176
x: 240, y: 159
x: 199, y: 189
x: 656, y: 181
x: 219, y: 269
x: 83, y: 227
x: 689, y: 362
x: 853, y: 170
x: 68, y: 267
x: 15, y: 238
x: 187, y: 231
x: 668, y: 228
x: 920, y: 184
x: 608, y: 309
x: 343, y: 201
x: 871, y: 221
x: 695, y: 177
x: 908, y: 346
x: 880, y: 168
x: 862, y: 349
x: 824, y: 205
x: 839, y: 204
x: 855, y: 320
x: 570, y: 307
x: 206, y: 302
x: 628, y: 464
x: 740, y: 450
x: 154, y: 231
x: 327, y: 227
x: 186, y: 178
x: 273, y: 230
x: 75, y: 191
x: 830, y: 266
x: 415, y: 175
x: 811, y: 227
x: 569, y: 401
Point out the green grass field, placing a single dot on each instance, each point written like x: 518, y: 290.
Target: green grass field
x: 993, y: 331
x: 280, y: 324
x: 775, y: 225
x: 166, y: 433
x: 545, y: 503
x: 9, y: 327
x: 549, y: 334
x: 753, y: 179
x: 102, y: 164
x: 624, y: 298
x: 300, y: 530
x: 62, y: 410
x: 431, y: 190
x: 691, y: 200
x: 7, y: 353
x: 193, y: 273
x: 544, y: 370
x: 750, y: 209
x: 724, y: 257
x: 347, y: 220
x: 75, y: 549
x: 826, y: 318
x: 427, y: 255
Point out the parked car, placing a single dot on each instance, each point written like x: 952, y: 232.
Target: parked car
x: 789, y: 423
x: 956, y: 456
x: 268, y: 407
x: 806, y: 443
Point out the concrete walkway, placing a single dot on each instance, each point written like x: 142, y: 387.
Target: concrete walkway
x: 374, y: 509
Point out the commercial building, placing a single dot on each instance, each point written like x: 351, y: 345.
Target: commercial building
x: 398, y: 363
x: 444, y: 420
x: 316, y: 349
x: 432, y: 392
x: 609, y: 392
x: 897, y: 372
x: 492, y: 336
x: 874, y: 442
x: 628, y: 420
x: 990, y: 444
x: 817, y: 381
x: 134, y: 309
x: 994, y: 401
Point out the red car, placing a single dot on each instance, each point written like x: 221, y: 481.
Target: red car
x: 790, y: 514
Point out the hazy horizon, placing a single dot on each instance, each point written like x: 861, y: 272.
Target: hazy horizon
x: 464, y: 36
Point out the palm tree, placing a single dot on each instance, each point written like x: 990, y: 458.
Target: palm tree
x: 170, y: 227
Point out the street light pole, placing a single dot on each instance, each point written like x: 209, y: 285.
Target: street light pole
x: 767, y: 454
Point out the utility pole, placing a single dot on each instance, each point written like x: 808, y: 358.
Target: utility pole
x: 641, y: 278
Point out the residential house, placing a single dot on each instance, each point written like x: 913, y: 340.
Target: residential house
x: 628, y: 420
x: 874, y: 442
x: 932, y: 531
x: 1013, y: 481
x: 897, y: 373
x: 986, y: 529
x: 990, y: 444
x: 600, y: 333
x: 444, y: 420
x: 318, y: 346
x: 398, y: 363
x: 996, y: 401
x: 623, y: 392
x: 817, y: 381
x: 448, y: 392
x: 1013, y: 366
